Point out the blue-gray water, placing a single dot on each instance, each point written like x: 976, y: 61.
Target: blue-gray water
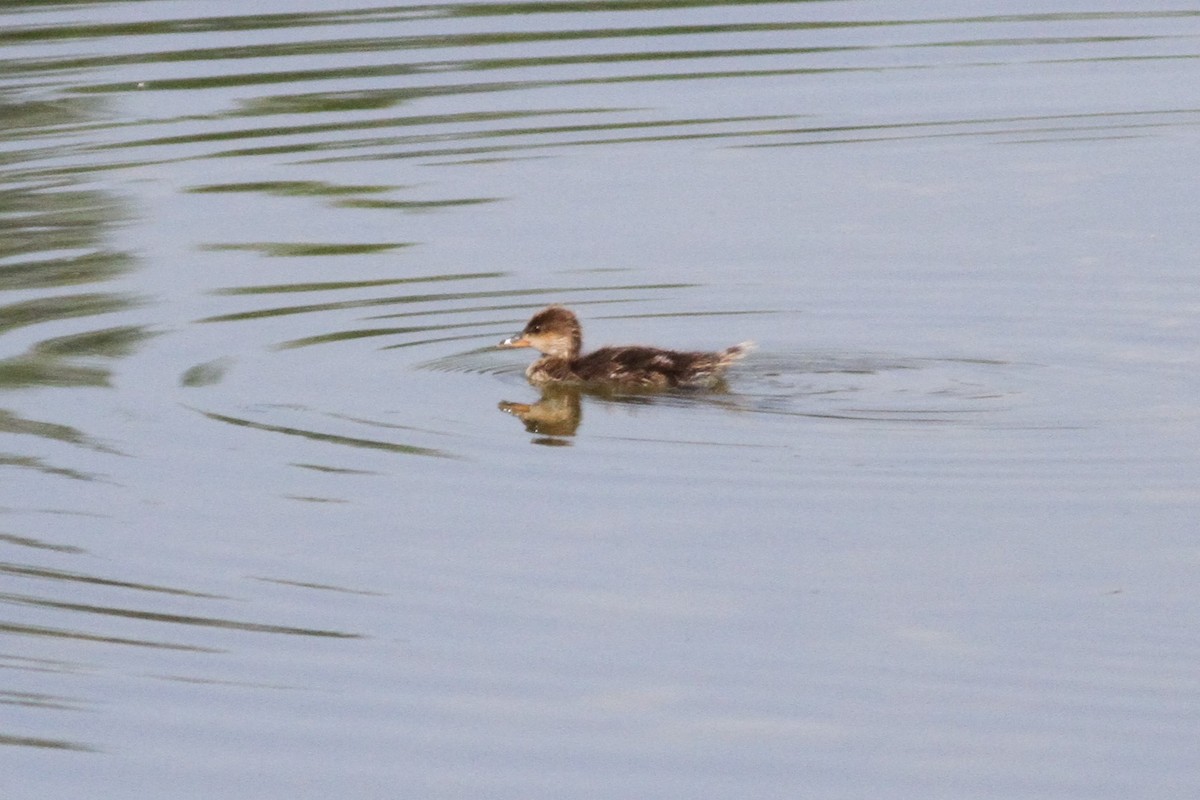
x: 266, y: 531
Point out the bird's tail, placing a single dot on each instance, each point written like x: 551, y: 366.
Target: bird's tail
x: 735, y: 353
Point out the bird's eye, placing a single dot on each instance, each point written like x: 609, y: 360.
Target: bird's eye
x: 535, y: 329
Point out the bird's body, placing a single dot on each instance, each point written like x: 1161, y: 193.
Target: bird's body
x: 556, y: 333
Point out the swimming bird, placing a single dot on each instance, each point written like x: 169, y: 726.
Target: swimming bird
x: 555, y: 332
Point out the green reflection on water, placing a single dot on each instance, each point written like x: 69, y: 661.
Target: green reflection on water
x: 25, y: 570
x: 48, y: 744
x: 67, y: 271
x: 28, y: 371
x: 291, y: 188
x: 13, y: 423
x: 61, y: 633
x: 38, y: 700
x: 330, y: 438
x: 48, y: 362
x: 176, y: 619
x: 39, y: 465
x: 57, y: 230
x: 38, y: 544
x: 44, y: 309
x: 432, y: 298
x: 209, y: 373
x: 414, y: 205
x: 108, y: 342
x: 326, y: 286
x: 54, y: 234
x: 293, y: 249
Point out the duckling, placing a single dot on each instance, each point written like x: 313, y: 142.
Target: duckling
x: 555, y: 332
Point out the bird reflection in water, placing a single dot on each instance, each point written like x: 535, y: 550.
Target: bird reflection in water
x: 557, y: 413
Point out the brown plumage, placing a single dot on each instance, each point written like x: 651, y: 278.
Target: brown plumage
x: 555, y: 332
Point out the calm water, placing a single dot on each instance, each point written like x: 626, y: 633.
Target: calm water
x: 271, y: 527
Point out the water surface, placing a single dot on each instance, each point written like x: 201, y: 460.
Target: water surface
x: 272, y: 527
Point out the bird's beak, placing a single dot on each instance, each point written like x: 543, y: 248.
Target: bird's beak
x: 517, y: 340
